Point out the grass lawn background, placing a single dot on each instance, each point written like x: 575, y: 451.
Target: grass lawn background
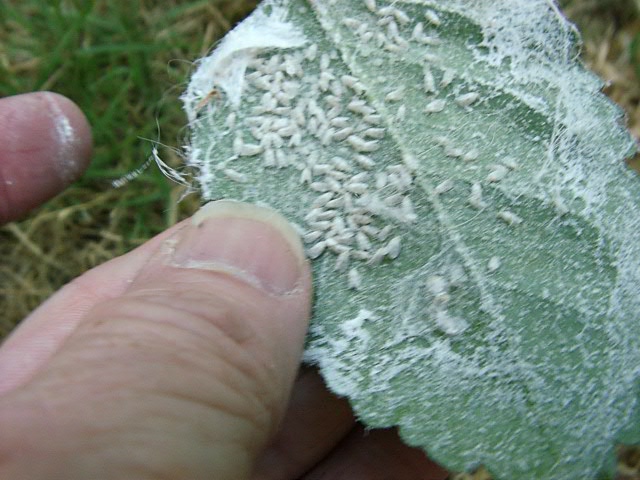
x: 125, y: 63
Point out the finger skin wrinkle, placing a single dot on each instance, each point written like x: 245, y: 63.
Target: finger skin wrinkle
x: 198, y: 332
x: 211, y: 318
x: 211, y: 315
x: 156, y: 333
x: 264, y: 327
x: 185, y: 382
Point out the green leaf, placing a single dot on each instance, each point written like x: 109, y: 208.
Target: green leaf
x: 460, y: 182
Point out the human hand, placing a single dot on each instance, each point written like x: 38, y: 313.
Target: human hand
x: 177, y: 360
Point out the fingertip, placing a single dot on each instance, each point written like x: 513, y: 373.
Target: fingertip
x: 45, y: 144
x: 73, y: 135
x: 250, y: 253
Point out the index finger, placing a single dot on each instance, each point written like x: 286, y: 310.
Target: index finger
x: 45, y: 144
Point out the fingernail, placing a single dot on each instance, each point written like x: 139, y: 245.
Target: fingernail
x: 253, y: 244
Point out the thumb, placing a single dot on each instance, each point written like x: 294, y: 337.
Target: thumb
x: 185, y: 375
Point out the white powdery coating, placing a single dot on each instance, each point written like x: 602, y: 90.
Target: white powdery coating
x: 65, y: 131
x: 510, y: 29
x: 65, y: 137
x: 225, y: 68
x: 353, y: 215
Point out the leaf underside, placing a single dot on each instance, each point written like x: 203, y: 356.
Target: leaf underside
x: 460, y: 182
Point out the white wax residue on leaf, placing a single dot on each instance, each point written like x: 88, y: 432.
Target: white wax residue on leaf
x: 225, y: 68
x: 459, y: 182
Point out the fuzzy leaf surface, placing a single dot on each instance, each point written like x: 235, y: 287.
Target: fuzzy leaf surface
x: 461, y: 186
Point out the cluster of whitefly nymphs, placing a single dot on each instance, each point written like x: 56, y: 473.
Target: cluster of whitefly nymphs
x: 308, y: 112
x: 356, y: 201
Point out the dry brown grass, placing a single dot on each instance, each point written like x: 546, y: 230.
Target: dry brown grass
x: 609, y: 29
x: 92, y: 223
